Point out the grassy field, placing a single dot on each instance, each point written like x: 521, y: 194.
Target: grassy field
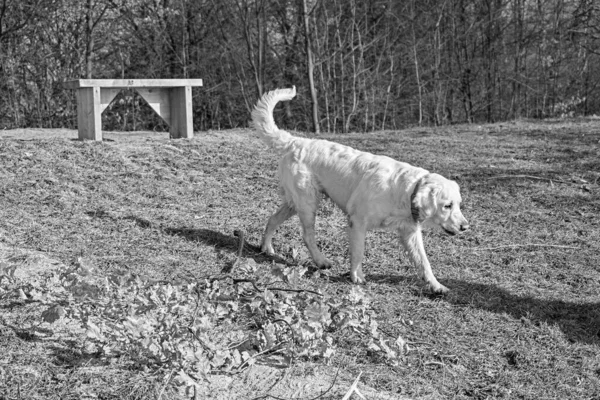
x: 522, y: 320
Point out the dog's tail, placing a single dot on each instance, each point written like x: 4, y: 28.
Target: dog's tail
x: 262, y: 117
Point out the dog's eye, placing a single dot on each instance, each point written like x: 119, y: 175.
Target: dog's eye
x: 448, y: 206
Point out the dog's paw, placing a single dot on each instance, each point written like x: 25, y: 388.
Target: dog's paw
x: 267, y: 249
x: 438, y: 289
x: 324, y: 264
x: 358, y: 277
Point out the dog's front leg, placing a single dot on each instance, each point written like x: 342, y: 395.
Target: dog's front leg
x: 356, y: 240
x: 412, y: 241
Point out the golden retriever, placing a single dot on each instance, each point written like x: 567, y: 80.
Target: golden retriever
x: 376, y: 192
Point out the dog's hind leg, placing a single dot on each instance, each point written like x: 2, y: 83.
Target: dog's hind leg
x: 307, y: 215
x: 285, y: 212
x: 308, y: 235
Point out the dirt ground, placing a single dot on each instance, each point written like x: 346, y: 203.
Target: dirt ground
x: 521, y: 320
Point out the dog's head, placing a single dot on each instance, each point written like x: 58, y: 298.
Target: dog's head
x: 436, y: 200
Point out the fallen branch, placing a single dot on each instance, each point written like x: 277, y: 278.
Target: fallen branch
x: 294, y: 290
x: 253, y: 283
x: 523, y: 245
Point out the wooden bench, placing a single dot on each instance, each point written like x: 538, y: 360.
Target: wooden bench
x: 170, y: 98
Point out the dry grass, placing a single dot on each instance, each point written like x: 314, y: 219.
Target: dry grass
x: 522, y: 320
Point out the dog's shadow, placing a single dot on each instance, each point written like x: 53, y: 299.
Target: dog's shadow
x: 229, y: 243
x: 580, y: 322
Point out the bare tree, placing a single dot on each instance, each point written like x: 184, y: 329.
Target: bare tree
x: 310, y: 67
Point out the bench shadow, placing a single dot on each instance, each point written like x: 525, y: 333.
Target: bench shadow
x: 580, y: 322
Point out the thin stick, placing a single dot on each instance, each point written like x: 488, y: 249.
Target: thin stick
x: 435, y: 363
x: 255, y: 356
x: 523, y: 245
x: 265, y: 396
x: 354, y: 389
x: 162, y: 390
x: 295, y: 290
x: 241, y: 241
x: 527, y: 177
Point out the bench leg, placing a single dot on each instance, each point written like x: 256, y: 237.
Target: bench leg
x: 89, y: 113
x: 181, y: 112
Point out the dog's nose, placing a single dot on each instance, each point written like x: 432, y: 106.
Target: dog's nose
x: 464, y: 227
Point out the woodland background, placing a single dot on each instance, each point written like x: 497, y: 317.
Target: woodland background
x: 359, y: 65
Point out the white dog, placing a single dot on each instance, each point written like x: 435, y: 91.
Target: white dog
x: 376, y: 192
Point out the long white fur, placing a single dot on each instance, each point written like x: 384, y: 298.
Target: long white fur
x: 376, y: 192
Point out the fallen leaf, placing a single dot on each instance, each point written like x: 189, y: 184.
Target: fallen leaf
x: 53, y: 314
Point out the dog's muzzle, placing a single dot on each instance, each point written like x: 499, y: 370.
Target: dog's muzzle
x: 462, y: 228
x: 449, y: 232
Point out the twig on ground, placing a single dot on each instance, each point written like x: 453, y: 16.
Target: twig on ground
x: 539, y: 178
x: 266, y: 396
x: 269, y: 350
x: 241, y: 241
x: 167, y: 381
x: 285, y: 371
x: 253, y: 282
x: 522, y: 245
x: 420, y: 344
x: 439, y: 364
x: 295, y: 290
x: 354, y: 389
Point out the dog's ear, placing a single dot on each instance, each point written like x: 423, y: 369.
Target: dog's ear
x: 423, y: 204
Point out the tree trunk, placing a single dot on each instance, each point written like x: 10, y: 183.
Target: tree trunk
x: 416, y: 62
x: 310, y: 69
x: 89, y: 46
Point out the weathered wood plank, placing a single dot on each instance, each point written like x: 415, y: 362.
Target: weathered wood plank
x: 131, y: 83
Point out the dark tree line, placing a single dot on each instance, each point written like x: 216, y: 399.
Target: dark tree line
x: 359, y: 65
